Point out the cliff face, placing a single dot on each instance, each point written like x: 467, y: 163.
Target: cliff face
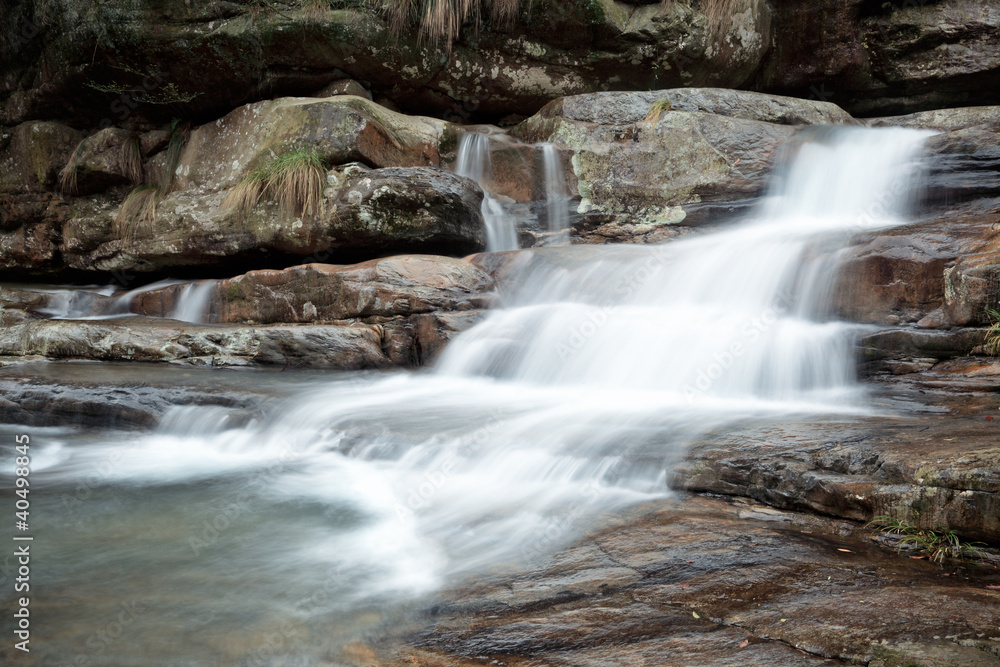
x: 94, y: 63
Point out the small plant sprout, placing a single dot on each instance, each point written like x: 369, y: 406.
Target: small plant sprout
x: 935, y: 544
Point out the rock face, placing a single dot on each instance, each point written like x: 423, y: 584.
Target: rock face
x: 644, y: 163
x: 79, y: 62
x: 885, y: 58
x: 110, y: 62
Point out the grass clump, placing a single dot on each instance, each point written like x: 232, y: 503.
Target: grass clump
x: 442, y: 20
x: 137, y: 212
x: 991, y: 343
x: 293, y: 180
x: 935, y: 544
x: 656, y: 109
x: 67, y: 177
x: 130, y: 161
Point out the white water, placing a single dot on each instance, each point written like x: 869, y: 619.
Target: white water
x: 571, y: 401
x: 192, y: 303
x: 556, y: 199
x: 474, y: 162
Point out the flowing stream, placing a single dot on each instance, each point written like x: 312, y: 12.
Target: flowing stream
x: 274, y: 542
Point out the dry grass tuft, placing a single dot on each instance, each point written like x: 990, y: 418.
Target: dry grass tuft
x: 67, y: 177
x: 179, y: 134
x: 130, y: 160
x: 294, y: 180
x: 137, y: 212
x: 656, y: 109
x: 442, y: 20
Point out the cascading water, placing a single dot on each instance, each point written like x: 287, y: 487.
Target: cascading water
x: 569, y: 401
x: 474, y: 162
x: 556, y: 200
x: 192, y: 302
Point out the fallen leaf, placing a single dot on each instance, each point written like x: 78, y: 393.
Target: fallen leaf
x: 989, y: 418
x: 949, y: 439
x: 847, y: 550
x: 745, y: 643
x: 695, y: 614
x: 783, y: 620
x: 993, y: 587
x: 689, y: 561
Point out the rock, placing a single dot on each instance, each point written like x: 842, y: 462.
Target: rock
x: 396, y: 286
x: 640, y: 179
x: 705, y: 581
x: 920, y: 469
x: 339, y: 129
x: 433, y: 331
x: 905, y: 273
x: 99, y: 165
x: 123, y: 403
x: 344, y: 87
x: 367, y: 212
x: 157, y: 340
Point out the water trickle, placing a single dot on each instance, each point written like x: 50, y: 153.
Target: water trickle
x: 474, y: 162
x: 193, y: 301
x: 556, y: 199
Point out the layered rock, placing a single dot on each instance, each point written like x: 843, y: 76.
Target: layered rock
x: 398, y: 311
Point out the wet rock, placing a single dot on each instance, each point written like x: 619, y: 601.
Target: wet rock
x: 903, y: 274
x: 157, y: 340
x: 704, y: 581
x: 921, y: 469
x: 36, y: 401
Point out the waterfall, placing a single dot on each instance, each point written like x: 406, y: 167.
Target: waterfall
x: 193, y: 301
x: 474, y: 162
x: 572, y: 400
x: 738, y: 313
x: 556, y: 200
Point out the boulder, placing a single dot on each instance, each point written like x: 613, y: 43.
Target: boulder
x: 642, y: 166
x: 367, y: 212
x: 396, y: 286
